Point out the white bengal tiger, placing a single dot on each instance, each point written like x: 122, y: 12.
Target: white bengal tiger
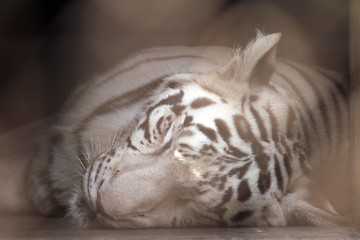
x: 205, y: 136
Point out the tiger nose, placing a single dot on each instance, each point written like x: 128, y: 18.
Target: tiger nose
x: 131, y: 192
x: 121, y: 197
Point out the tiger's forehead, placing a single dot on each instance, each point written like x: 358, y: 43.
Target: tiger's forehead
x: 192, y: 99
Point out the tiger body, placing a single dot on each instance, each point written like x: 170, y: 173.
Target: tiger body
x: 205, y: 136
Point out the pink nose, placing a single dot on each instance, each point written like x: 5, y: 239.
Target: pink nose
x: 130, y: 193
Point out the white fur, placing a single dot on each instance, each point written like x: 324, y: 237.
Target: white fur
x: 150, y: 187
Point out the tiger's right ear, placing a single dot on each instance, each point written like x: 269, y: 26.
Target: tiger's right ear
x: 254, y: 65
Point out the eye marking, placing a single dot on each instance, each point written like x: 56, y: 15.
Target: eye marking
x: 159, y: 123
x: 184, y: 145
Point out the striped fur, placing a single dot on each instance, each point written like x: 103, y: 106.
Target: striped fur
x: 201, y: 136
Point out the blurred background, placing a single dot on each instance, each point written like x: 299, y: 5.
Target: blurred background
x: 49, y: 47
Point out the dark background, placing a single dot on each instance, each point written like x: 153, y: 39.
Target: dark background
x: 49, y: 47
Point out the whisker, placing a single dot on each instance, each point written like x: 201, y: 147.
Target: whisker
x: 81, y: 163
x: 98, y: 144
x: 78, y: 172
x: 87, y: 152
x: 114, y: 139
x: 92, y: 145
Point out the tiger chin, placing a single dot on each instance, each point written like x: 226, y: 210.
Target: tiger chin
x: 194, y: 137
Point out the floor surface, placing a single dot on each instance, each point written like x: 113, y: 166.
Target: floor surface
x: 28, y: 227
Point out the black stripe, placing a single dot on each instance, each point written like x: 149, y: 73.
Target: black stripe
x: 304, y: 165
x: 305, y: 130
x: 244, y: 192
x: 178, y: 109
x: 187, y: 133
x: 232, y: 160
x: 344, y: 92
x: 201, y: 102
x: 291, y: 129
x: 264, y: 181
x: 304, y: 103
x: 237, y: 153
x: 342, y: 85
x: 93, y: 84
x: 98, y: 170
x: 242, y: 215
x: 223, y: 129
x: 287, y: 164
x: 261, y: 158
x: 336, y: 126
x: 188, y: 121
x: 120, y: 102
x: 321, y: 102
x: 146, y: 61
x: 326, y: 118
x: 220, y: 209
x: 222, y: 181
x: 208, y: 149
x: 193, y: 156
x: 208, y: 132
x: 243, y: 129
x: 112, y: 152
x: 339, y: 124
x: 174, y: 84
x: 278, y: 174
x: 184, y: 145
x: 241, y: 171
x: 145, y: 126
x: 260, y: 123
x: 274, y: 125
x: 170, y: 100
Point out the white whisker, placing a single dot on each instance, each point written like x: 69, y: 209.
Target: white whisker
x: 92, y: 144
x: 86, y: 153
x: 78, y: 172
x: 82, y: 167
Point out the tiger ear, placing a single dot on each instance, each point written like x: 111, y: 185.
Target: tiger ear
x: 256, y: 63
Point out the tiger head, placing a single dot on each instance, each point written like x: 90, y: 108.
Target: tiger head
x: 189, y: 158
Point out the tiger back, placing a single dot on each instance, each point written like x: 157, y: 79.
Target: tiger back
x: 207, y: 136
